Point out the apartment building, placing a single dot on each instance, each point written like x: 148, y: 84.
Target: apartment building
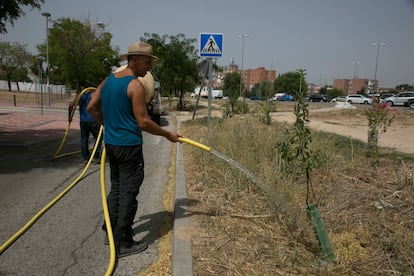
x: 353, y: 86
x: 251, y: 77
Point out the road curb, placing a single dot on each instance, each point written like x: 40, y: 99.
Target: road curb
x: 182, y: 264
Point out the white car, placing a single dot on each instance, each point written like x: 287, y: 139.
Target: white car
x: 277, y: 96
x: 358, y: 98
x: 410, y: 103
x: 399, y: 99
x: 338, y: 99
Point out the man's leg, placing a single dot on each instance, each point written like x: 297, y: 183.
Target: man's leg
x: 131, y: 175
x: 94, y: 128
x: 85, y: 141
x: 113, y: 196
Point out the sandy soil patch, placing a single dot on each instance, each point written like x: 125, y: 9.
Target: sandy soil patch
x: 398, y: 137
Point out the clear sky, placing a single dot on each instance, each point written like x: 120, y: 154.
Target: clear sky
x: 329, y: 38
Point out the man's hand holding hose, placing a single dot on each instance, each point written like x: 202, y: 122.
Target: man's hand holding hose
x: 174, y: 137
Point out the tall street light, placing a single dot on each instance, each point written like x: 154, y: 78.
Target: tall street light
x: 242, y: 36
x: 271, y: 62
x: 376, y: 64
x: 355, y: 63
x: 47, y: 15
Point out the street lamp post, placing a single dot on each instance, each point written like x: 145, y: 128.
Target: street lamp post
x: 271, y: 62
x: 376, y: 64
x: 355, y: 63
x: 40, y: 62
x: 242, y: 36
x: 47, y: 15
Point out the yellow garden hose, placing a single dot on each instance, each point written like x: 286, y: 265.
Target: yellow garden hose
x: 71, y: 114
x: 194, y: 143
x: 109, y: 232
x: 19, y: 233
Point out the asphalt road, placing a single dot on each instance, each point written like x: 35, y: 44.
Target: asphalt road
x: 68, y: 240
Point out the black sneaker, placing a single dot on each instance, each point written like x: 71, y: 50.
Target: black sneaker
x: 135, y: 248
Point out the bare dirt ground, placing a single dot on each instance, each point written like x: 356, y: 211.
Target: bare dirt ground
x: 399, y: 136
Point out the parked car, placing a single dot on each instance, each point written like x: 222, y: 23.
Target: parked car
x: 358, y: 98
x: 286, y: 97
x: 318, y: 98
x: 277, y: 96
x: 217, y: 94
x: 410, y: 103
x: 399, y: 99
x: 197, y: 91
x: 339, y: 99
x: 386, y: 95
x: 375, y: 97
x: 255, y: 98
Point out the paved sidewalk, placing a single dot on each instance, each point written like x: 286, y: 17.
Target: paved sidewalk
x: 24, y: 125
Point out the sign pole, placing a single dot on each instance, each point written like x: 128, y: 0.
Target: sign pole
x: 210, y: 76
x: 211, y: 45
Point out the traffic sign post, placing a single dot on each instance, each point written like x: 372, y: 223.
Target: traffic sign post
x: 211, y: 45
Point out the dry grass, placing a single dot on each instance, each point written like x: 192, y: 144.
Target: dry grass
x: 244, y: 229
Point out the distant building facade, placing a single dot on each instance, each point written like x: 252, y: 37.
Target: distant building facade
x: 313, y: 88
x: 251, y: 77
x: 354, y: 86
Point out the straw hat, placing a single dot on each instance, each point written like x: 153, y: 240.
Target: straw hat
x: 139, y: 48
x: 147, y: 81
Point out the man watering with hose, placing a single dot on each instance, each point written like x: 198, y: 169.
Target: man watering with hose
x: 119, y: 104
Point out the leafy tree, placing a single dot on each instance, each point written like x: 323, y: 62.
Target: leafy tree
x: 231, y: 89
x: 79, y: 54
x: 331, y: 92
x: 10, y: 10
x: 20, y: 75
x: 405, y: 87
x: 263, y: 89
x: 289, y: 83
x: 217, y: 68
x: 14, y: 59
x: 177, y: 70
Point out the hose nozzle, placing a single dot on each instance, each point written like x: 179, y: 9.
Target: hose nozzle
x: 194, y: 143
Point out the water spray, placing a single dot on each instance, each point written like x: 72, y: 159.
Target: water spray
x: 246, y: 172
x: 312, y: 211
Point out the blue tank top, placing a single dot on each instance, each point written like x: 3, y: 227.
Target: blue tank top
x: 121, y: 128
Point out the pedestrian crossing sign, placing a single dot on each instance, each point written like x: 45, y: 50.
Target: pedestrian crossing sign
x: 211, y: 45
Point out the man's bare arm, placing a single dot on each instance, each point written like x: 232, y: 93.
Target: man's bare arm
x: 136, y: 93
